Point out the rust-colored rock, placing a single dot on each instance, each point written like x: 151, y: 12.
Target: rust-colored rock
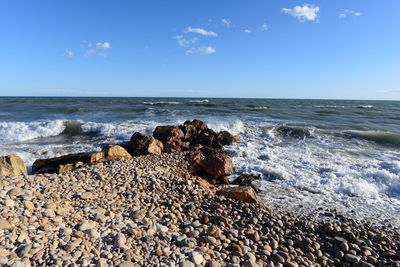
x: 197, y: 123
x: 242, y: 193
x: 12, y: 165
x: 217, y: 165
x: 168, y: 134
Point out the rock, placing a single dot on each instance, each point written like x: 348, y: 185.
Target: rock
x: 115, y: 152
x: 29, y: 205
x: 17, y: 264
x: 225, y: 138
x: 186, y: 264
x: 213, y: 263
x: 119, y: 240
x: 69, y: 167
x: 198, y: 124
x: 351, y: 258
x: 86, y: 225
x: 4, y: 224
x: 23, y: 250
x: 217, y: 165
x: 86, y: 195
x: 52, y: 165
x: 242, y: 193
x: 247, y: 180
x: 168, y: 134
x: 126, y: 264
x: 12, y: 165
x: 142, y: 145
x: 196, y: 258
x: 250, y: 264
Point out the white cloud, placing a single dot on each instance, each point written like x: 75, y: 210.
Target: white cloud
x: 247, y: 31
x: 69, y: 53
x: 105, y: 45
x: 264, y: 27
x: 348, y: 12
x: 226, y: 22
x: 200, y: 31
x: 182, y: 41
x: 98, y: 49
x: 203, y: 50
x: 303, y: 13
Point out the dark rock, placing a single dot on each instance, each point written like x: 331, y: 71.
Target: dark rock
x: 225, y: 138
x: 142, y: 145
x: 200, y: 125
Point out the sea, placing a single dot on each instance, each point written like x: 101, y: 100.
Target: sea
x: 312, y: 155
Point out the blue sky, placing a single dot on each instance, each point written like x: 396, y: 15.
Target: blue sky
x: 341, y: 49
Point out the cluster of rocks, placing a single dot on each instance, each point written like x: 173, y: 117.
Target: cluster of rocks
x: 146, y: 211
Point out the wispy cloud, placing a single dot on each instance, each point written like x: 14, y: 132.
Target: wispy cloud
x: 182, y: 41
x: 264, y: 27
x: 69, y: 53
x: 348, y: 12
x: 99, y: 49
x: 203, y: 50
x: 105, y: 45
x: 226, y: 22
x: 247, y: 31
x: 303, y: 13
x: 200, y: 31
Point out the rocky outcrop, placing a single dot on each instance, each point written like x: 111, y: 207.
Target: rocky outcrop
x: 115, y: 152
x: 65, y: 163
x: 12, y: 165
x: 242, y: 193
x: 141, y: 144
x: 69, y: 167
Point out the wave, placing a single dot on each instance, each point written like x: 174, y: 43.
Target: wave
x: 297, y: 132
x: 382, y: 138
x: 199, y: 101
x: 23, y: 131
x: 161, y: 103
x: 69, y: 110
x: 365, y: 106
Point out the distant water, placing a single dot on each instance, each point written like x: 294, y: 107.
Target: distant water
x: 341, y: 154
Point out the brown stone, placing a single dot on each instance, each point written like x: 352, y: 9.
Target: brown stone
x: 168, y: 134
x: 197, y: 123
x: 242, y: 193
x: 12, y: 165
x: 217, y: 165
x: 115, y: 152
x: 69, y: 167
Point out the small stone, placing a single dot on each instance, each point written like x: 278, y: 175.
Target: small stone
x: 86, y: 225
x: 351, y: 258
x: 127, y: 264
x: 186, y: 264
x: 196, y: 258
x: 250, y: 264
x: 23, y: 250
x: 49, y: 213
x: 29, y: 205
x: 119, y: 240
x: 9, y: 202
x: 4, y: 224
x: 213, y: 263
x: 17, y: 264
x: 86, y: 195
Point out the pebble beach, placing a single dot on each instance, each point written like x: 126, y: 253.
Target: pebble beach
x: 149, y: 211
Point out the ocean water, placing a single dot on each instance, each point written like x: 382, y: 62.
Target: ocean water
x: 311, y: 153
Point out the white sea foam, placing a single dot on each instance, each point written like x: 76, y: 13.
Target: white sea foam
x: 162, y: 103
x: 22, y: 131
x: 199, y: 101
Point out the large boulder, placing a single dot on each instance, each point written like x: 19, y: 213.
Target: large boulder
x: 52, y: 165
x: 217, y: 165
x: 168, y: 134
x: 241, y: 193
x: 115, y: 152
x: 12, y: 165
x: 225, y: 138
x: 141, y: 145
x: 198, y: 124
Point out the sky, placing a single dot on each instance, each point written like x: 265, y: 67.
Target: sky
x: 326, y: 49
